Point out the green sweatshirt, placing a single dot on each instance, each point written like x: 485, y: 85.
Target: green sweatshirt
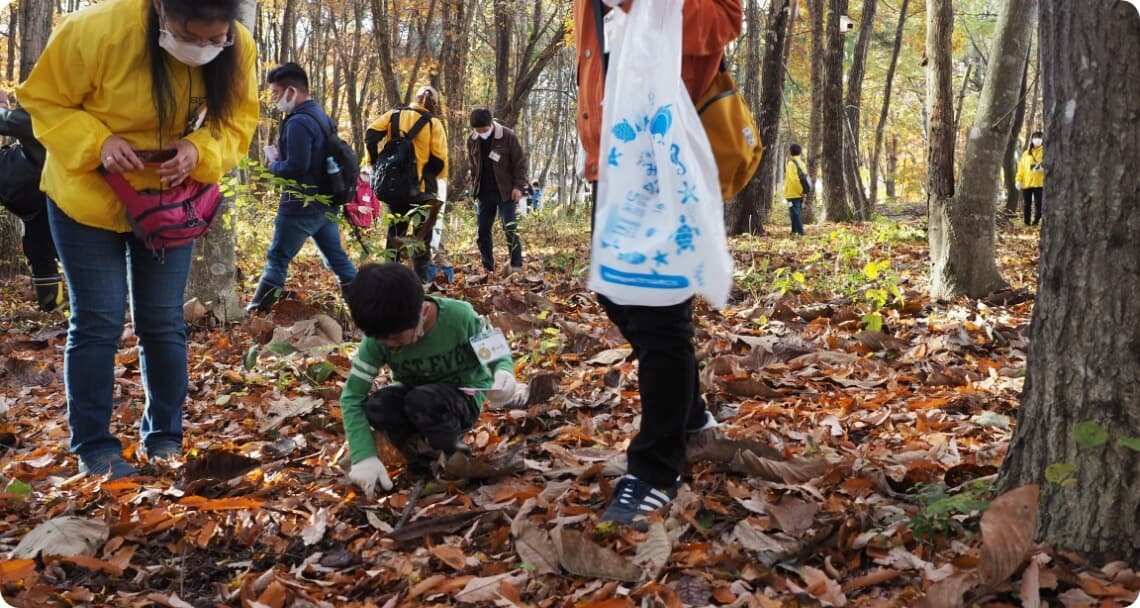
x: 443, y: 354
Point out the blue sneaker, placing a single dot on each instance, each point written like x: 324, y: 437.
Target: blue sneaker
x: 164, y: 451
x: 633, y: 500
x: 110, y: 464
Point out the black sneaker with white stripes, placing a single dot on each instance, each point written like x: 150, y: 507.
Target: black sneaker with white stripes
x: 633, y: 499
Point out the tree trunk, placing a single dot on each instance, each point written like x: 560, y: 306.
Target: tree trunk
x: 815, y: 137
x: 212, y: 277
x: 873, y: 198
x: 853, y: 106
x: 288, y: 23
x: 751, y: 217
x: 1080, y: 411
x: 381, y: 23
x: 454, y: 50
x: 13, y: 32
x: 892, y: 168
x: 940, y: 138
x: 835, y: 195
x: 739, y: 213
x: 965, y: 262
x: 503, y: 23
x: 1009, y: 159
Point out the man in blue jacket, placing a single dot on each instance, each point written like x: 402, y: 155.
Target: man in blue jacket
x: 299, y: 159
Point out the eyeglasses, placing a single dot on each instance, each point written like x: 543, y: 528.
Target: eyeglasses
x: 221, y: 44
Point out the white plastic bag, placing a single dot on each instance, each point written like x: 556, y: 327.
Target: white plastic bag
x: 660, y: 234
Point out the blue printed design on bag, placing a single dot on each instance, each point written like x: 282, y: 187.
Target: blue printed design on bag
x: 688, y: 193
x: 641, y: 279
x: 632, y: 257
x: 674, y: 157
x: 699, y: 274
x: 614, y: 156
x: 646, y: 161
x: 661, y: 123
x: 661, y: 259
x: 625, y: 131
x: 684, y: 236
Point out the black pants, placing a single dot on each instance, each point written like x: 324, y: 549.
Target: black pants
x: 671, y: 403
x: 39, y: 248
x: 439, y: 412
x: 506, y: 210
x: 1032, y: 198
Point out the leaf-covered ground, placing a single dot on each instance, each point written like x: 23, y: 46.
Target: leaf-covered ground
x: 863, y: 422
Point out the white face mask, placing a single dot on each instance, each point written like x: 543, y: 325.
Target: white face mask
x: 485, y: 134
x: 1036, y: 141
x: 285, y: 104
x: 187, y: 52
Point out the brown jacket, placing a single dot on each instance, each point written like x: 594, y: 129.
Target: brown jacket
x: 709, y: 26
x: 510, y: 169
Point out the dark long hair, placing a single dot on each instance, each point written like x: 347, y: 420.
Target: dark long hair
x: 224, y: 82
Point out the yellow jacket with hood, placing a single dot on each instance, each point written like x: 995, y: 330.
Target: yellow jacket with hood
x: 93, y: 81
x: 430, y: 143
x: 1027, y: 175
x: 792, y: 186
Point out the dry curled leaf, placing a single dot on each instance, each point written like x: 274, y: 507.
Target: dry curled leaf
x: 535, y: 547
x: 581, y: 556
x: 1007, y: 526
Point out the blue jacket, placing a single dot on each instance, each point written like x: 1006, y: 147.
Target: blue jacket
x: 301, y: 146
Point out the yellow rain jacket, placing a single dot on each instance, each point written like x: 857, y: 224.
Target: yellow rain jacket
x: 430, y: 143
x: 93, y: 81
x: 1029, y: 172
x: 792, y: 186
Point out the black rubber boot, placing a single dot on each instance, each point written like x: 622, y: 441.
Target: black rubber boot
x: 49, y: 293
x: 264, y: 298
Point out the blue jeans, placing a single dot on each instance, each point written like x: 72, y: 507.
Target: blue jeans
x: 486, y: 221
x: 103, y: 269
x: 289, y: 235
x: 795, y: 209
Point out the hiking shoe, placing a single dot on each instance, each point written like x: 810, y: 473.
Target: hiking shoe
x: 633, y: 500
x: 49, y: 293
x: 164, y: 451
x: 110, y: 464
x: 709, y: 424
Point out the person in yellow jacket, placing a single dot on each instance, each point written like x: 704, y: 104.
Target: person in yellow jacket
x: 429, y: 139
x: 797, y: 184
x: 1031, y: 178
x: 116, y: 79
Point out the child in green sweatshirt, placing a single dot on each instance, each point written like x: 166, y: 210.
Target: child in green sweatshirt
x: 427, y: 344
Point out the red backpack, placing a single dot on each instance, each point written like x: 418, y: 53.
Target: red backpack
x: 365, y: 208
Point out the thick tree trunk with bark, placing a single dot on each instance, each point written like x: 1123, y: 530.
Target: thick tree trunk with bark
x: 940, y: 141
x: 456, y: 27
x: 1009, y: 159
x: 965, y: 262
x: 739, y: 213
x: 873, y: 198
x: 815, y: 137
x: 853, y: 108
x: 212, y: 275
x: 834, y: 193
x: 751, y: 217
x: 1080, y: 411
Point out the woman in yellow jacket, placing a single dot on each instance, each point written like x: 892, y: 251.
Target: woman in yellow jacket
x: 430, y: 143
x: 118, y: 78
x: 1031, y: 178
x: 797, y: 184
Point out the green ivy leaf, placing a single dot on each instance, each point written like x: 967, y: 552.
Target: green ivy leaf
x: 320, y: 371
x: 1090, y: 434
x: 1132, y: 443
x: 1061, y: 473
x: 251, y: 356
x: 17, y: 488
x: 872, y: 321
x: 281, y: 348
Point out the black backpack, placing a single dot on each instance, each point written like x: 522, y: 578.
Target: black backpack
x: 805, y: 181
x: 395, y: 175
x: 20, y: 183
x: 340, y: 187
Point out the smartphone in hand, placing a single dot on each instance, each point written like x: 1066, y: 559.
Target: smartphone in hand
x: 155, y: 157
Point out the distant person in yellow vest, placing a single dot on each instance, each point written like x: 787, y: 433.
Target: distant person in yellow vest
x: 797, y: 185
x: 1031, y: 178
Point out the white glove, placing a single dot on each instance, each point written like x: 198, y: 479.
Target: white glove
x: 504, y: 388
x: 367, y: 472
x: 270, y: 152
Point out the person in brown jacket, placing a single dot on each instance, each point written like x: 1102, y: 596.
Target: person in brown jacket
x: 498, y: 178
x: 672, y: 410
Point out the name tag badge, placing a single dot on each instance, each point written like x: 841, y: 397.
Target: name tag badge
x: 490, y: 344
x: 494, y: 156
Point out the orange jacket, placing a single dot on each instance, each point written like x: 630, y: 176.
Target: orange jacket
x: 709, y: 25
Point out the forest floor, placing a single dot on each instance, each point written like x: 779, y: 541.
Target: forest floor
x: 865, y: 425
